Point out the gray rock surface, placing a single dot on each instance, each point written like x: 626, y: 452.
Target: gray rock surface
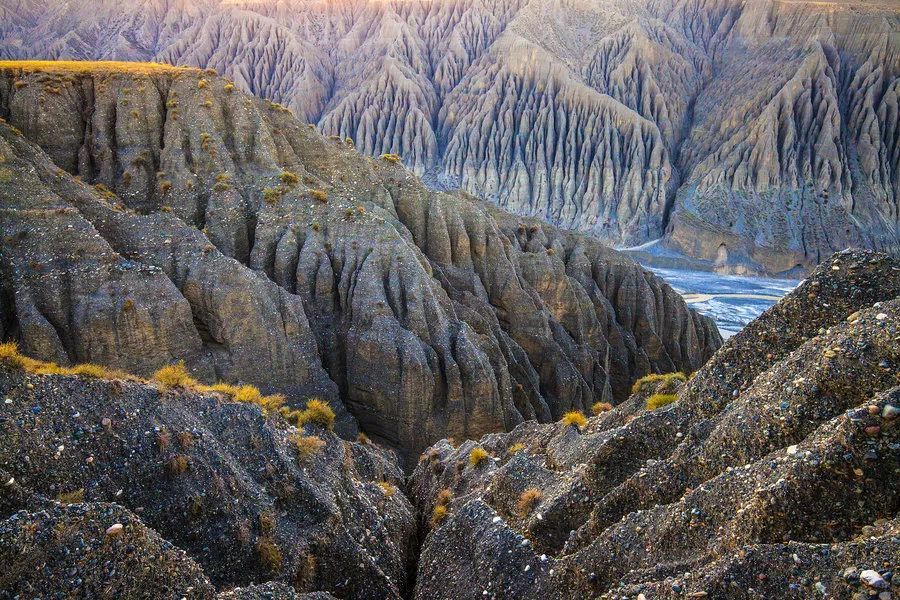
x: 753, y: 136
x: 222, y: 232
x: 772, y: 474
x: 216, y: 479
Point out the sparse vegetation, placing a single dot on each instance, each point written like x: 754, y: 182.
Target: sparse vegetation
x: 229, y: 87
x: 9, y: 354
x: 202, y: 84
x: 641, y: 383
x: 178, y: 464
x: 73, y: 497
x: 272, y: 195
x: 221, y: 186
x: 659, y: 400
x: 388, y: 488
x: 319, y: 195
x: 441, y: 507
x: 269, y: 554
x: 574, y: 417
x: 174, y: 376
x: 517, y: 447
x: 307, y: 445
x: 391, y: 158
x: 165, y: 186
x: 362, y: 438
x: 601, y: 407
x: 316, y: 413
x: 527, y: 501
x: 289, y: 179
x: 477, y: 456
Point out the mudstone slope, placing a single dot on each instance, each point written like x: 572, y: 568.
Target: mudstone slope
x: 751, y: 136
x: 161, y: 215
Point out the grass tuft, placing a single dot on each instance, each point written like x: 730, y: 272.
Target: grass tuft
x: 477, y: 456
x: 527, y: 501
x: 574, y: 417
x: 317, y: 413
x: 601, y: 407
x: 643, y: 382
x: 659, y: 400
x: 174, y: 376
x: 308, y: 445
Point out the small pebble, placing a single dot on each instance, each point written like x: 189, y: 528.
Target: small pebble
x: 114, y: 530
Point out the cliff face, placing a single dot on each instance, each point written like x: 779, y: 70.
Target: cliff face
x: 755, y: 136
x: 208, y: 226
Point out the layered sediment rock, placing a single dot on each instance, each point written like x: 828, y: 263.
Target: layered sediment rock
x: 755, y: 137
x: 774, y: 472
x: 222, y: 232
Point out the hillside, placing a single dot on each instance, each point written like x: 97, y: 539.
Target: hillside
x: 157, y: 215
x: 772, y: 472
x: 752, y: 136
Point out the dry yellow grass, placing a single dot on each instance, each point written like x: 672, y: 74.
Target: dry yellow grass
x: 641, y: 383
x: 659, y: 400
x: 387, y: 487
x: 9, y: 354
x: 86, y: 66
x: 527, y: 501
x: 317, y: 413
x: 601, y: 407
x: 477, y: 456
x: 308, y: 445
x: 574, y: 417
x: 175, y: 376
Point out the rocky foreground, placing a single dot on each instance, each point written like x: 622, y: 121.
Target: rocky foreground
x: 772, y: 472
x: 152, y: 214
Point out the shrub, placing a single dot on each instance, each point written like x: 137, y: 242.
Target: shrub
x: 269, y: 554
x: 517, y: 447
x: 229, y: 87
x: 574, y: 417
x: 477, y: 456
x: 221, y: 186
x: 73, y: 497
x: 659, y: 400
x: 6, y: 175
x: 527, y: 501
x: 319, y: 195
x: 19, y: 84
x: 128, y: 305
x: 601, y: 407
x: 202, y: 84
x: 391, y: 158
x: 288, y: 178
x: 308, y: 445
x: 178, y: 464
x: 641, y: 383
x: 165, y: 186
x: 362, y: 438
x: 174, y: 376
x: 317, y: 413
x: 387, y: 487
x: 272, y: 195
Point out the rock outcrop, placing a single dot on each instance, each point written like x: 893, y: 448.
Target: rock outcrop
x: 220, y: 231
x: 773, y: 473
x: 246, y: 496
x: 752, y: 136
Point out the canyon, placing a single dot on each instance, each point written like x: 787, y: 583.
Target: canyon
x: 748, y: 137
